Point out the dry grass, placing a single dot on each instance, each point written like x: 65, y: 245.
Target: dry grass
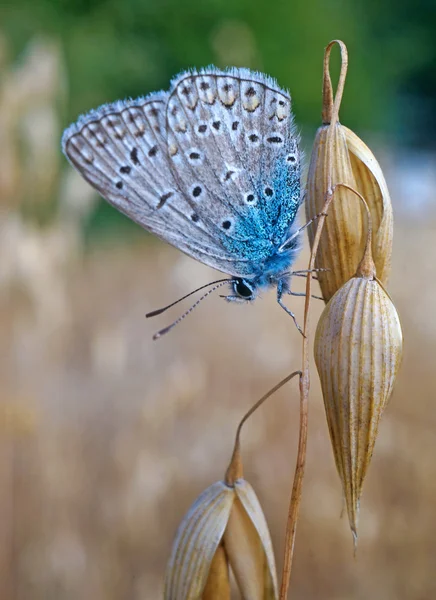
x: 110, y: 436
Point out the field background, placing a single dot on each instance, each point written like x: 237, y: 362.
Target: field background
x: 107, y: 437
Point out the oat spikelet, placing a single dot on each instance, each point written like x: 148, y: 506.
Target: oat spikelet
x: 224, y: 529
x: 358, y: 348
x: 340, y: 156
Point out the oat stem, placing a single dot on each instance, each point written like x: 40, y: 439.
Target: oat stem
x: 366, y: 267
x: 234, y: 470
x: 330, y: 116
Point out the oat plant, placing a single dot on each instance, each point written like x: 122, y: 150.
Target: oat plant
x: 357, y: 347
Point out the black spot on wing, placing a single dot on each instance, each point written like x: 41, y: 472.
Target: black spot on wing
x: 196, y: 191
x: 134, y: 156
x: 164, y: 198
x: 250, y: 198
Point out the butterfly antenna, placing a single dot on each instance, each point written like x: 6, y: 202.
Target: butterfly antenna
x: 159, y: 311
x: 177, y: 321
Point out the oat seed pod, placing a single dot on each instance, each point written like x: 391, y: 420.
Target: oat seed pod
x: 340, y: 156
x: 225, y: 527
x: 358, y: 348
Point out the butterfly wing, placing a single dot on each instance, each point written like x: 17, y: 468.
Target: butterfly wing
x: 121, y: 150
x: 205, y: 167
x: 234, y: 152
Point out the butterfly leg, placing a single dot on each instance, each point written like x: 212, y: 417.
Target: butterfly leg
x: 291, y: 293
x: 314, y: 277
x: 285, y: 285
x: 303, y: 294
x: 303, y: 272
x: 281, y: 288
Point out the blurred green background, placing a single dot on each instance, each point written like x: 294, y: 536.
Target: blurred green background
x: 120, y: 49
x: 113, y: 49
x: 106, y: 437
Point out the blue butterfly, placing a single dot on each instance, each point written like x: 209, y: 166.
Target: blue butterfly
x: 212, y: 166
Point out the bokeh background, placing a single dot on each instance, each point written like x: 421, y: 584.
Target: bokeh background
x: 107, y: 437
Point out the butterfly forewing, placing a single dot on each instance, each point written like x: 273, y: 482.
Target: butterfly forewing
x: 121, y: 149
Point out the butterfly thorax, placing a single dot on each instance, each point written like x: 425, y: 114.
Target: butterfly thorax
x: 273, y: 272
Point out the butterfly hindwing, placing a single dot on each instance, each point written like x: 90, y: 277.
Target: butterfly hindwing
x: 231, y: 134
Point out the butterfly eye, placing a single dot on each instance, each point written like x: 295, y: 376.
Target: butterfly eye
x: 243, y: 289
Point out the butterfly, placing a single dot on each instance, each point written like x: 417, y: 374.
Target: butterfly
x: 212, y: 166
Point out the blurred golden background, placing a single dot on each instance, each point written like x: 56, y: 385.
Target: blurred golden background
x: 107, y: 437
